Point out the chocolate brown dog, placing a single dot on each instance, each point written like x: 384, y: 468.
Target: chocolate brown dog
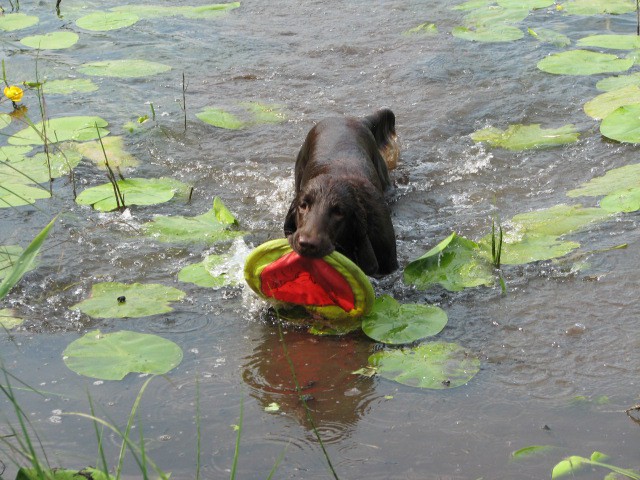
x: 341, y: 176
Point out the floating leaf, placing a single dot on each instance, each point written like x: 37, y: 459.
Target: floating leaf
x: 104, y: 21
x: 5, y: 120
x: 136, y: 191
x: 557, y: 220
x: 265, y: 113
x: 220, y: 118
x: 522, y: 137
x: 622, y: 201
x: 122, y: 300
x: 616, y: 42
x: 79, y: 129
x: 69, y: 87
x: 14, y: 153
x: 605, y: 103
x: 473, y: 4
x: 39, y: 168
x: 617, y: 82
x: 8, y: 319
x: 595, y: 7
x: 18, y: 194
x: 426, y: 28
x: 88, y: 473
x: 393, y: 323
x: 519, y: 250
x: 618, y: 179
x: 623, y: 124
x: 198, y: 274
x: 455, y: 263
x: 215, y: 270
x: 209, y: 228
x: 530, y: 451
x: 51, y: 41
x: 488, y: 34
x: 16, y: 21
x: 199, y: 12
x: 435, y: 365
x: 112, y: 356
x: 114, y: 148
x: 546, y: 35
x: 24, y: 262
x: 123, y: 68
x: 494, y: 17
x: 526, y: 4
x: 583, y: 62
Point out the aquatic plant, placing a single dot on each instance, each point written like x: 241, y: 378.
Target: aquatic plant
x: 574, y: 463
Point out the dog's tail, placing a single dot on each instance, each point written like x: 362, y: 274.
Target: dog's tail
x: 383, y: 126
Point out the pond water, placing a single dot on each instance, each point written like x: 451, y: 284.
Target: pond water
x: 560, y: 351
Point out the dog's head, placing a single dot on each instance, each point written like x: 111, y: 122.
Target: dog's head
x: 327, y: 214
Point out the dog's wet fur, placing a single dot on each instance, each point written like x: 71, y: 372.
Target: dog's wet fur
x: 341, y: 175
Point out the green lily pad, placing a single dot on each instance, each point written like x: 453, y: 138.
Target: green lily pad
x: 114, y: 148
x: 14, y: 153
x: 531, y: 451
x: 220, y: 118
x: 622, y: 201
x: 489, y: 33
x: 557, y: 220
x: 8, y: 319
x: 105, y: 21
x: 112, y: 356
x: 623, y: 124
x: 616, y: 42
x: 455, y: 263
x: 130, y: 68
x: 79, y: 129
x: 605, y: 103
x: 546, y: 35
x: 216, y: 271
x: 265, y: 113
x: 51, y: 41
x: 494, y: 16
x: 39, y: 168
x: 426, y: 28
x: 140, y: 300
x: 614, y: 180
x: 16, y: 21
x: 88, y: 473
x: 473, y: 5
x: 526, y: 4
x: 211, y: 227
x: 583, y: 62
x: 522, y: 137
x: 528, y: 248
x: 435, y: 365
x: 596, y: 7
x: 213, y: 10
x: 5, y: 120
x: 619, y: 81
x: 393, y: 323
x: 69, y: 87
x: 18, y: 194
x: 136, y: 191
x: 199, y: 274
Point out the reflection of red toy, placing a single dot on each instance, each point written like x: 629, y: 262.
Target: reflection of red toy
x: 333, y: 287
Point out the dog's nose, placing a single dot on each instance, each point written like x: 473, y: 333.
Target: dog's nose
x: 308, y: 246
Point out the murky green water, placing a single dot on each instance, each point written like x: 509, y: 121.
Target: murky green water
x: 556, y: 335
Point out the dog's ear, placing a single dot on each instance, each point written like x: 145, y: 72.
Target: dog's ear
x: 290, y: 224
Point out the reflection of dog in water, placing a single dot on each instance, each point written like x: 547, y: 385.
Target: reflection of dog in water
x: 341, y: 175
x: 323, y: 368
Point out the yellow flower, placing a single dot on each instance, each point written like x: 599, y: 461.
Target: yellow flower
x: 13, y: 93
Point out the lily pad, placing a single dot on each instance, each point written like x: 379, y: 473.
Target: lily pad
x: 531, y: 451
x: 114, y: 148
x: 265, y: 113
x: 5, y: 120
x: 16, y: 21
x: 426, y: 28
x: 123, y: 300
x: 605, y: 103
x: 522, y: 137
x: 51, y: 41
x: 528, y: 248
x: 220, y: 118
x: 88, y: 473
x: 494, y: 16
x: 557, y: 220
x: 18, y: 194
x: 616, y: 42
x: 472, y: 4
x: 130, y: 68
x: 435, y: 365
x: 614, y: 180
x: 617, y: 82
x: 79, y: 129
x: 111, y: 356
x: 211, y: 227
x: 489, y: 33
x: 105, y: 21
x: 39, y: 168
x: 8, y: 319
x: 623, y: 124
x: 69, y: 87
x: 136, y: 191
x: 583, y: 62
x: 622, y: 201
x: 195, y: 12
x: 546, y: 35
x: 596, y: 7
x: 218, y: 270
x: 526, y: 4
x: 393, y: 323
x: 455, y: 263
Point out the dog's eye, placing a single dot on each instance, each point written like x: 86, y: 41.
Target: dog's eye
x: 337, y: 212
x: 303, y: 206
